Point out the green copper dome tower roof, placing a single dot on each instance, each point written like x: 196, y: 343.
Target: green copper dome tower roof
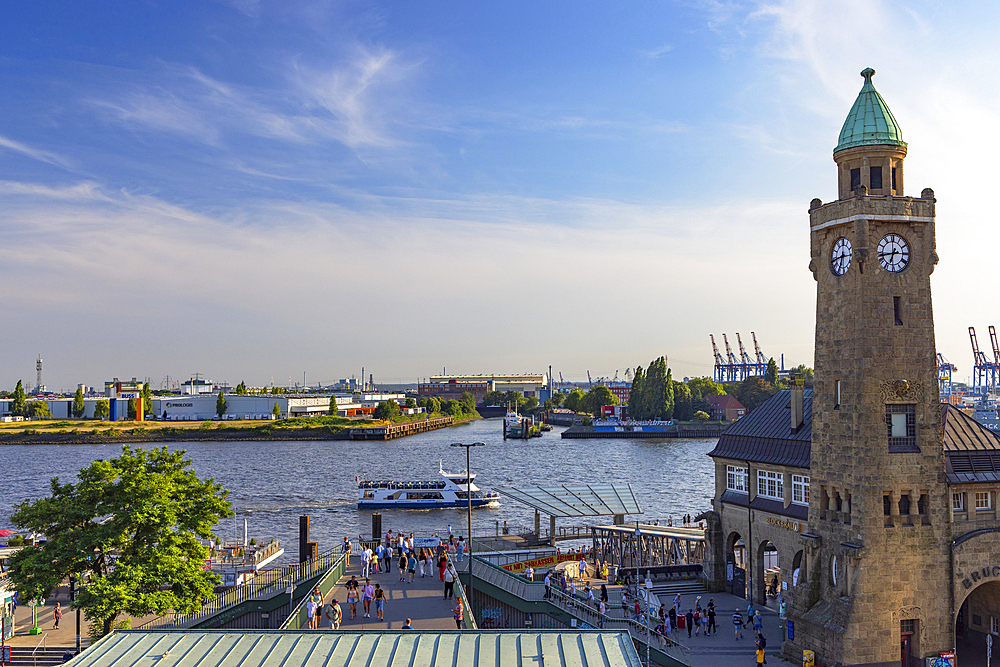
x: 870, y: 121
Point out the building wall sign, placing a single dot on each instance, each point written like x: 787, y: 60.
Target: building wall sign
x: 974, y: 577
x: 787, y: 525
x: 180, y: 405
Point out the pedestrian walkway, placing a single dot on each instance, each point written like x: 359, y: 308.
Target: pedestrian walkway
x: 422, y: 601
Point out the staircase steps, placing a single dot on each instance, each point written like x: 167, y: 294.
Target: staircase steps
x: 44, y: 656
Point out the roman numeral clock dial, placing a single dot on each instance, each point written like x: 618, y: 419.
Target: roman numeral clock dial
x: 893, y: 253
x: 840, y: 258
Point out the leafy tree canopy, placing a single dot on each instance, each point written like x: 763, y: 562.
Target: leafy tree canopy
x: 752, y: 392
x: 572, y: 401
x: 771, y: 374
x: 132, y: 524
x: 386, y: 410
x: 38, y: 410
x: 702, y: 416
x: 20, y: 404
x: 79, y: 407
x: 595, y: 398
x: 102, y: 409
x: 131, y: 408
x: 705, y: 387
x: 221, y: 404
x: 333, y: 405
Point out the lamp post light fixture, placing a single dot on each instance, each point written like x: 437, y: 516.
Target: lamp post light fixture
x: 468, y: 494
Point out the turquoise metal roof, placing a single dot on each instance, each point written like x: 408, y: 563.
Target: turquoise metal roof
x: 388, y: 648
x: 870, y: 122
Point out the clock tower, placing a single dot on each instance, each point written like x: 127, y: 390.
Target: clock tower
x: 877, y: 551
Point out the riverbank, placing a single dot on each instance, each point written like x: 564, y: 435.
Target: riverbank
x: 681, y: 430
x: 91, y: 432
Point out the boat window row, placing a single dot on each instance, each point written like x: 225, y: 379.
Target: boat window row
x: 401, y: 485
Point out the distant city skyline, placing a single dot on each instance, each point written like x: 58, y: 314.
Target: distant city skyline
x: 252, y: 189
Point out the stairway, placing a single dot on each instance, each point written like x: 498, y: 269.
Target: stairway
x: 682, y: 587
x: 44, y: 656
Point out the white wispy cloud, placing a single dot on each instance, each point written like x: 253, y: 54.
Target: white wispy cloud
x: 34, y: 153
x: 659, y: 51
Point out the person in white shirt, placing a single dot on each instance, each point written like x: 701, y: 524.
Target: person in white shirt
x: 590, y: 595
x: 583, y: 567
x: 572, y: 587
x: 529, y: 573
x: 366, y: 561
x: 548, y: 586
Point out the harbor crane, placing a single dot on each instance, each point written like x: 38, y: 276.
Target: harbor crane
x: 761, y: 359
x: 945, y: 369
x: 984, y: 372
x: 719, y: 373
x: 734, y: 365
x: 730, y: 368
x: 746, y: 364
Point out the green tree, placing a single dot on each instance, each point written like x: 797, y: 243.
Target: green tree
x: 147, y: 399
x: 683, y: 405
x: 557, y: 399
x: 411, y: 403
x: 79, y: 407
x: 752, y: 392
x: 241, y: 389
x: 468, y: 402
x: 131, y: 409
x: 132, y: 525
x: 597, y: 397
x: 433, y: 405
x: 277, y: 410
x: 495, y: 398
x: 657, y: 394
x: 38, y: 410
x: 771, y: 374
x: 221, y: 404
x: 705, y: 387
x: 702, y: 416
x: 530, y: 404
x: 333, y: 406
x: 572, y: 401
x: 637, y: 396
x: 20, y: 404
x: 807, y: 373
x: 386, y: 411
x: 102, y: 409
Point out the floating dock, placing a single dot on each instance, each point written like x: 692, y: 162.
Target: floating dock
x: 401, y: 430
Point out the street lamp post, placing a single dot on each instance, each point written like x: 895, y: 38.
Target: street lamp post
x: 468, y: 493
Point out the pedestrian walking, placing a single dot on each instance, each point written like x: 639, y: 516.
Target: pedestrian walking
x: 366, y: 561
x: 56, y: 616
x: 459, y: 612
x: 442, y: 565
x: 311, y: 613
x: 711, y: 621
x: 604, y: 593
x: 738, y: 624
x: 548, y: 585
x: 582, y: 567
x: 529, y: 573
x: 689, y: 620
x: 334, y: 614
x: 403, y: 560
x: 761, y: 653
x: 345, y: 549
x: 602, y: 609
x: 379, y: 603
x: 449, y: 582
x: 411, y: 567
x: 758, y: 623
x: 353, y: 596
x: 367, y: 595
x: 460, y: 548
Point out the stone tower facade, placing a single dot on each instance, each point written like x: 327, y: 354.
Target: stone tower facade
x: 879, y: 517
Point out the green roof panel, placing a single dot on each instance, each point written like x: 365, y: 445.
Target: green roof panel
x: 870, y: 122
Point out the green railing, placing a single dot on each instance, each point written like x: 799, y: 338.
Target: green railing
x: 468, y: 618
x: 265, y: 585
x: 298, y: 618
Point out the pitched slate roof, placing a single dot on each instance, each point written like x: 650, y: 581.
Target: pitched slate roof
x: 972, y: 451
x: 724, y: 402
x: 765, y: 435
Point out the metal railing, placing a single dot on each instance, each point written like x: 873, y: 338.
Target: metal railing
x: 298, y: 617
x: 265, y: 585
x: 41, y: 645
x: 578, y: 608
x: 468, y: 618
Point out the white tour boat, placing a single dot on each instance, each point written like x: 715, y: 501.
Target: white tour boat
x: 449, y: 491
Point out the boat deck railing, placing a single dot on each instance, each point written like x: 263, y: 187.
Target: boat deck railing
x: 236, y: 554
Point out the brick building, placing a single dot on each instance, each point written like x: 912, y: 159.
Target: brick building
x: 725, y: 408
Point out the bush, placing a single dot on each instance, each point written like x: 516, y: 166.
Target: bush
x: 702, y: 416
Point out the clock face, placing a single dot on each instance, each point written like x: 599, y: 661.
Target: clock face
x: 893, y: 253
x: 840, y: 258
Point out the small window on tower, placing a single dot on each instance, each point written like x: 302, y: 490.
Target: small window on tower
x: 837, y: 406
x: 894, y: 179
x: 896, y: 312
x: 855, y: 179
x: 876, y: 178
x: 901, y: 427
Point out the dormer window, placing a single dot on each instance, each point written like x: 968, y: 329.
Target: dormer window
x: 876, y: 178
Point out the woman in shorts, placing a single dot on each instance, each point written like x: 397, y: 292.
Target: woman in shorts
x: 352, y: 600
x: 379, y: 603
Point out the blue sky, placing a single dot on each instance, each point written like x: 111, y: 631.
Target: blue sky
x: 251, y: 190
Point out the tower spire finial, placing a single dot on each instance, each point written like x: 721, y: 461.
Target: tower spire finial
x: 868, y: 73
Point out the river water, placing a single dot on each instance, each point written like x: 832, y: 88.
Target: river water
x: 272, y: 483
